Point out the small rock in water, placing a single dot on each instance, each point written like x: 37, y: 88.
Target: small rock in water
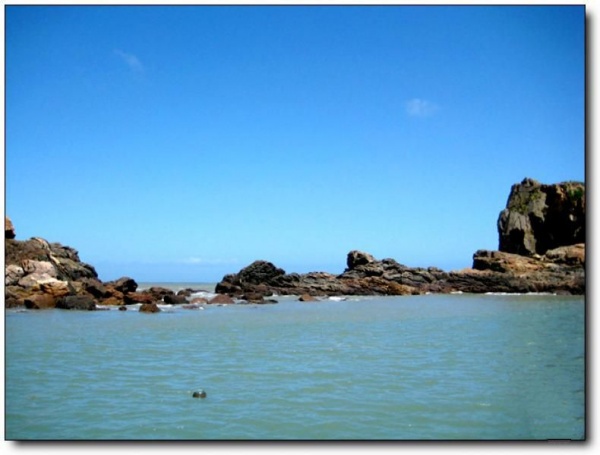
x: 199, y: 394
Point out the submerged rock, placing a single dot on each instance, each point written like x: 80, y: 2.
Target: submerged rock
x: 149, y: 308
x: 77, y: 302
x: 220, y: 299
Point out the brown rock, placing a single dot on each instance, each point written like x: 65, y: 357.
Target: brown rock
x: 253, y: 297
x: 40, y: 302
x: 307, y: 298
x: 95, y: 288
x: 138, y: 297
x: 123, y: 284
x: 56, y: 288
x: 221, y: 298
x: 149, y: 308
x: 112, y: 301
x: 159, y: 292
x: 499, y: 261
x: 198, y: 301
x: 570, y: 255
x: 225, y: 287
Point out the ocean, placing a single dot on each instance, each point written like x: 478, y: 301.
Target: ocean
x: 433, y: 367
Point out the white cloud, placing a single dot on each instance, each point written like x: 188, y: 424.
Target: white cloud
x: 194, y: 260
x: 417, y: 107
x: 131, y: 61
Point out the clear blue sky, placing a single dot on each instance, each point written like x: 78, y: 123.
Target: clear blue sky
x: 182, y: 143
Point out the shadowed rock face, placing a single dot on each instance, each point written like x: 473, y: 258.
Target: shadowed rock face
x: 541, y: 217
x: 9, y: 230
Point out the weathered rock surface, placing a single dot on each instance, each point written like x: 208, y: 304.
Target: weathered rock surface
x: 541, y: 217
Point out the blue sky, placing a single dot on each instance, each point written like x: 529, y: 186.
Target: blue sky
x: 182, y: 143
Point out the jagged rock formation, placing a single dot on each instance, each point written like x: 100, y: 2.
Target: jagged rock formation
x: 541, y: 217
x: 40, y: 275
x: 542, y: 249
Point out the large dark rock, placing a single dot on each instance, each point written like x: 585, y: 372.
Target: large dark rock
x: 258, y: 272
x: 540, y: 217
x: 261, y: 274
x: 174, y: 299
x: 356, y: 258
x: 9, y: 229
x: 77, y: 302
x: 123, y: 284
x: 159, y: 292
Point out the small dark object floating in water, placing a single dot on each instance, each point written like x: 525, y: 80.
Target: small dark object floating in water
x: 199, y: 394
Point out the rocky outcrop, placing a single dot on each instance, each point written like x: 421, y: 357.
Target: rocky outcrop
x: 560, y: 271
x: 541, y: 217
x: 41, y: 275
x: 542, y: 249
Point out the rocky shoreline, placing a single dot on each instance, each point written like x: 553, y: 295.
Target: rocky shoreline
x: 541, y: 249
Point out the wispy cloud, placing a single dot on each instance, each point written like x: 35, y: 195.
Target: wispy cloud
x: 194, y: 260
x: 131, y: 61
x: 418, y: 107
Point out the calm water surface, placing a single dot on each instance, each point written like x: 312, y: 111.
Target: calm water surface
x: 419, y: 367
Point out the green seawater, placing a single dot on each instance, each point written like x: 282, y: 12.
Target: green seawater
x: 436, y: 367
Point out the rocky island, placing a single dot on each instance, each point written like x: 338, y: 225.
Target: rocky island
x: 541, y: 249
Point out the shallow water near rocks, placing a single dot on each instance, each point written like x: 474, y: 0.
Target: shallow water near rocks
x: 434, y: 367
